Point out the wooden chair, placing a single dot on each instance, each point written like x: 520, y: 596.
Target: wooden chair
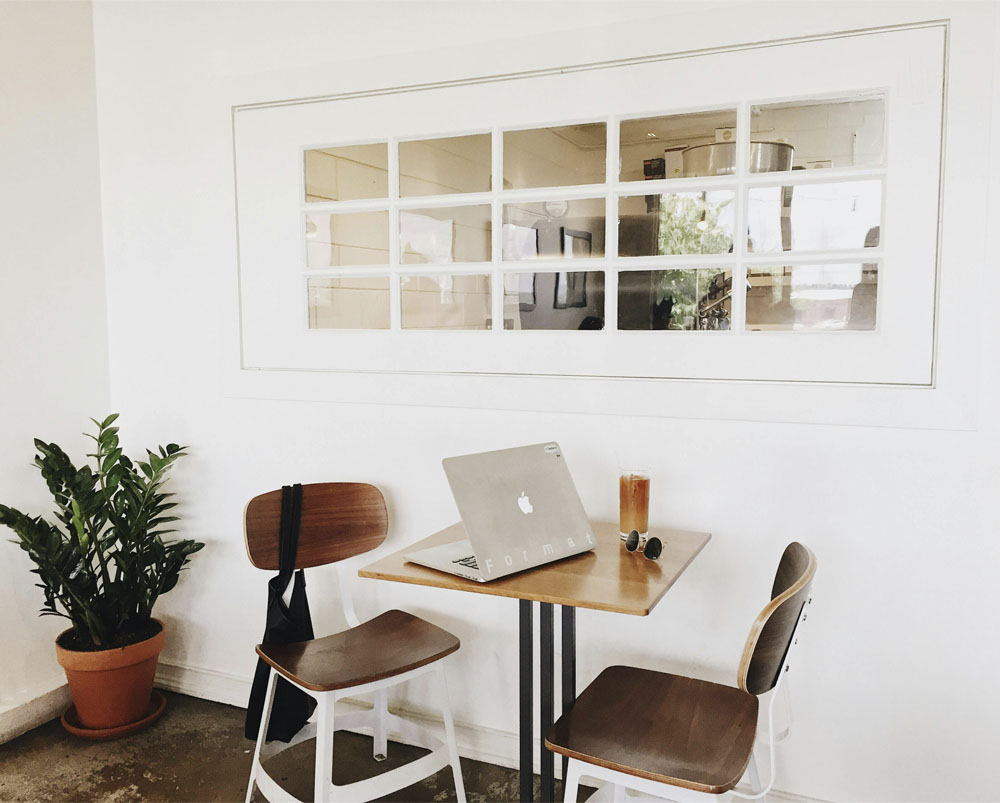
x: 677, y: 737
x: 341, y: 520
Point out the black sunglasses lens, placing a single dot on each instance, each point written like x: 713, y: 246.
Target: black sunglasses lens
x: 632, y: 542
x: 653, y: 548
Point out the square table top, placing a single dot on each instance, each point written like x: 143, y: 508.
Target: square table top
x: 607, y: 578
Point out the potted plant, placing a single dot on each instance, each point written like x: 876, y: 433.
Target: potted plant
x: 103, y: 568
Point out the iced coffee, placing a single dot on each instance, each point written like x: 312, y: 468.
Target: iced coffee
x: 633, y: 494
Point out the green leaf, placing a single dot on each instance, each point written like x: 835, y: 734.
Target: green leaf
x: 107, y: 422
x: 110, y: 460
x: 81, y: 533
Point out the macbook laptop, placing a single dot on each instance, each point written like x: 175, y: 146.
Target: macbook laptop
x: 520, y: 510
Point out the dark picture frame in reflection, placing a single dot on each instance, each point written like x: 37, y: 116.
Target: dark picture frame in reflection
x: 571, y: 290
x: 575, y: 243
x: 571, y: 287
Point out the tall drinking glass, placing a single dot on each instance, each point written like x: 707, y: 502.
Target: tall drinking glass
x: 633, y: 495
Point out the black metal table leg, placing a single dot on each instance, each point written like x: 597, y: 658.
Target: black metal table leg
x: 526, y: 693
x: 547, y: 677
x: 568, y: 665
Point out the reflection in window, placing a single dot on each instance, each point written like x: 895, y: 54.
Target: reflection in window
x: 687, y: 299
x: 445, y: 165
x: 807, y: 297
x: 560, y: 300
x: 450, y: 234
x: 555, y: 157
x: 654, y: 147
x: 445, y: 301
x: 719, y: 158
x: 796, y: 214
x: 835, y: 133
x: 357, y: 302
x: 354, y: 238
x: 347, y: 173
x: 815, y: 217
x: 554, y: 229
x: 676, y: 223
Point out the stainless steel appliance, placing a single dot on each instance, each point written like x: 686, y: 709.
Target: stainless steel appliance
x: 719, y: 158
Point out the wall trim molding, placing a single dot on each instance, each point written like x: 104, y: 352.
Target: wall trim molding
x: 25, y: 716
x: 491, y: 745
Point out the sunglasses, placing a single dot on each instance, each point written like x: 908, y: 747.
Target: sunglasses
x: 651, y: 548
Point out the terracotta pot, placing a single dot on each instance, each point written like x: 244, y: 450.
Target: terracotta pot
x: 111, y: 687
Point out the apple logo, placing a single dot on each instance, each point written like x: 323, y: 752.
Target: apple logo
x: 524, y: 503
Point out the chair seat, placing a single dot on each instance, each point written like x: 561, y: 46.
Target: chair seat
x: 668, y: 728
x: 388, y: 645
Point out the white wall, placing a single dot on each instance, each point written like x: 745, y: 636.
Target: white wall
x: 895, y: 697
x: 54, y: 358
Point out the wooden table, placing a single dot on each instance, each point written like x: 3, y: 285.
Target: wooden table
x: 606, y: 579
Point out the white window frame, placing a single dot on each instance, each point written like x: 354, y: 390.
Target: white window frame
x: 948, y: 401
x: 900, y: 352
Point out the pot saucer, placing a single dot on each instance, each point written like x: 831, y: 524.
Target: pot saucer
x: 70, y: 721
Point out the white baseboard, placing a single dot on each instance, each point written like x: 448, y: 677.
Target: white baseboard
x: 25, y: 716
x: 204, y: 683
x: 491, y: 745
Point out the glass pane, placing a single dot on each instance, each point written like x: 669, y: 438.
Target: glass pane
x: 807, y: 297
x: 360, y: 302
x: 356, y: 238
x: 667, y: 147
x: 445, y: 302
x: 347, y: 173
x: 676, y: 223
x: 451, y: 234
x: 553, y: 229
x: 555, y: 157
x: 563, y: 300
x: 835, y: 133
x: 688, y: 298
x: 815, y: 217
x: 448, y: 164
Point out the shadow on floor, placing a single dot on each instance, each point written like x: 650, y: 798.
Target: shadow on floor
x: 196, y: 752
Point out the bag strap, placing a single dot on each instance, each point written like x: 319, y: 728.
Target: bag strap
x: 288, y: 544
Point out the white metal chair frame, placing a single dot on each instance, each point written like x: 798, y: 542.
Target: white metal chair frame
x: 618, y: 784
x: 378, y: 720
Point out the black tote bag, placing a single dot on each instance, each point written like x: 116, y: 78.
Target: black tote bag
x: 285, y: 624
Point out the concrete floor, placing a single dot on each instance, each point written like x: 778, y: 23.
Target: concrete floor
x: 196, y: 752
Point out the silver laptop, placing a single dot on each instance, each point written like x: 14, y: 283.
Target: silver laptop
x: 520, y: 510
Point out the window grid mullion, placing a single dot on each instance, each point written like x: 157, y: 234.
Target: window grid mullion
x: 395, y: 258
x: 738, y: 295
x: 496, y: 233
x: 612, y: 173
x: 619, y: 188
x: 832, y: 257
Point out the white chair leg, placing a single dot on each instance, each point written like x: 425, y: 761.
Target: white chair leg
x: 571, y: 783
x: 265, y: 721
x: 449, y: 733
x: 323, y: 780
x: 380, y: 741
x: 753, y: 774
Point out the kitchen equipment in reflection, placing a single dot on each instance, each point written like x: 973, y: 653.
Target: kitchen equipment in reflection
x: 719, y: 158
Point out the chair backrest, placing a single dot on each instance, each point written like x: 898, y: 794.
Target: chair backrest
x: 339, y: 520
x: 771, y: 633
